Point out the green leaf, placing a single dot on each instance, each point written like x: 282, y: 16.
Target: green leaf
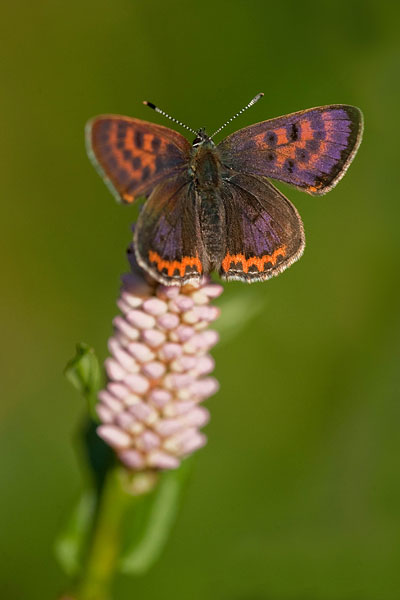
x: 83, y: 371
x: 236, y: 314
x: 147, y: 528
x: 71, y: 543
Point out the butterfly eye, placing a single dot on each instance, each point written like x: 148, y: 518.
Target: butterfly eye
x: 197, y: 141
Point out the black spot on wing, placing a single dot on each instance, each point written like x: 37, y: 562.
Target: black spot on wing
x: 155, y: 144
x: 271, y: 138
x: 302, y: 155
x: 145, y: 173
x: 136, y: 162
x: 293, y: 132
x: 138, y: 138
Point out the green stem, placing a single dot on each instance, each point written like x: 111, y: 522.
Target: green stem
x: 104, y: 550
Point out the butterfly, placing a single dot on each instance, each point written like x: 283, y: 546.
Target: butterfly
x: 212, y: 206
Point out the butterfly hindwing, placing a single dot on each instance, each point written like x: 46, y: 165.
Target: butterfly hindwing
x: 167, y: 235
x: 310, y: 149
x: 264, y: 232
x: 133, y: 155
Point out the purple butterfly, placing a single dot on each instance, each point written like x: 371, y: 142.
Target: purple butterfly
x: 212, y: 207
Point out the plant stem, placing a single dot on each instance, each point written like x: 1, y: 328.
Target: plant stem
x: 104, y: 550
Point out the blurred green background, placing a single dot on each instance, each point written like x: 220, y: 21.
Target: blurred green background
x: 297, y: 495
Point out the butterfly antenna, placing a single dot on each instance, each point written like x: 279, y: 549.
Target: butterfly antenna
x: 158, y: 110
x: 253, y: 101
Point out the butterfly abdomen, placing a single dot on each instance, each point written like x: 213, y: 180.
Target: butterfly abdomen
x: 212, y: 226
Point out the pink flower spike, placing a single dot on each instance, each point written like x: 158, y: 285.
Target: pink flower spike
x: 175, y: 409
x: 185, y: 363
x: 199, y: 297
x: 155, y: 307
x: 116, y: 389
x: 134, y: 284
x: 207, y: 313
x: 212, y: 290
x: 141, y: 352
x: 105, y: 414
x: 153, y: 337
x: 124, y: 327
x: 114, y: 436
x: 131, y: 300
x: 159, y: 355
x: 166, y: 291
x: 181, y: 303
x: 110, y: 401
x: 205, y: 364
x: 147, y: 441
x: 145, y: 413
x: 132, y: 459
x: 178, y: 380
x: 140, y: 319
x: 137, y: 383
x: 169, y: 351
x: 126, y: 361
x: 123, y: 306
x: 194, y: 443
x: 168, y: 321
x: 176, y: 444
x: 162, y: 460
x: 131, y: 399
x: 204, y: 388
x: 114, y: 370
x: 154, y: 369
x: 201, y: 341
x: 159, y: 397
x: 183, y: 333
x: 167, y: 427
x: 211, y: 336
x: 125, y: 420
x: 197, y: 417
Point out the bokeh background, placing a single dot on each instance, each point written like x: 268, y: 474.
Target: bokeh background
x: 297, y: 495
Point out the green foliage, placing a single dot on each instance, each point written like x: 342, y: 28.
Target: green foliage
x: 71, y: 543
x: 83, y: 371
x: 148, y: 527
x: 237, y: 313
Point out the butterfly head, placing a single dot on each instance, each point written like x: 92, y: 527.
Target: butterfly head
x: 202, y: 139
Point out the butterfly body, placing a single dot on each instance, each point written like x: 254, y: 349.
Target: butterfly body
x: 211, y: 206
x: 206, y: 188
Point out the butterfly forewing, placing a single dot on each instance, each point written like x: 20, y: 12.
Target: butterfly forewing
x: 310, y: 149
x: 133, y: 155
x: 168, y: 241
x: 264, y: 232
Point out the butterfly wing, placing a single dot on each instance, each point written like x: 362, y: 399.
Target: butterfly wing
x: 264, y: 232
x: 167, y: 241
x: 310, y: 149
x: 132, y: 155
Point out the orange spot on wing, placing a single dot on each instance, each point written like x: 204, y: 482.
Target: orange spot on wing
x: 258, y: 261
x: 128, y: 198
x: 147, y: 139
x: 315, y: 188
x: 145, y: 153
x: 172, y: 265
x: 281, y: 136
x: 306, y: 130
